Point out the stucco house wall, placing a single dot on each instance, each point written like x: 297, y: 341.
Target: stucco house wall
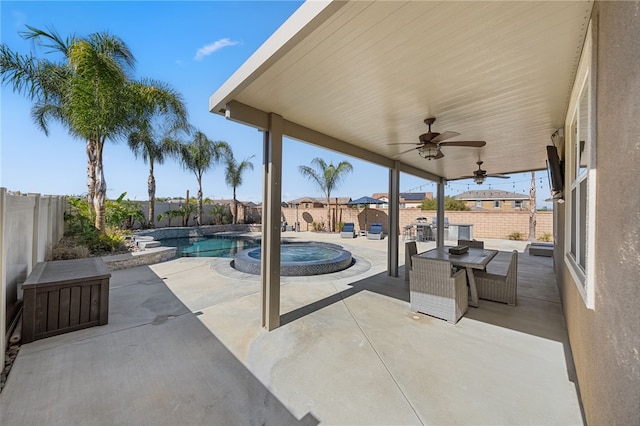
x: 605, y: 340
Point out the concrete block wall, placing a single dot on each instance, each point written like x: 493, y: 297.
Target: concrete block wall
x: 486, y: 224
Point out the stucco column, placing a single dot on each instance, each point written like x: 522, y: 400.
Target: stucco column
x: 394, y: 214
x: 440, y: 214
x: 271, y: 213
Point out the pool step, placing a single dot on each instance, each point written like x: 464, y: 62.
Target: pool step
x: 148, y: 244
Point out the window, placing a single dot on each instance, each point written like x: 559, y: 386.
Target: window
x: 479, y: 204
x: 306, y: 205
x: 580, y: 182
x: 497, y: 204
x: 517, y: 204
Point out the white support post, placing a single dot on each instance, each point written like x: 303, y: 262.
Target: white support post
x: 394, y: 219
x: 271, y: 223
x: 440, y: 214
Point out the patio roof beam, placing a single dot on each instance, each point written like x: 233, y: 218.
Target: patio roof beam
x: 245, y: 114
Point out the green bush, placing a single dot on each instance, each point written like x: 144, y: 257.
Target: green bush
x: 221, y: 214
x: 317, y: 226
x: 516, y: 236
x: 79, y: 226
x: 546, y: 237
x: 450, y: 204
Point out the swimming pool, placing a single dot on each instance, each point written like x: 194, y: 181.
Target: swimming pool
x: 210, y: 246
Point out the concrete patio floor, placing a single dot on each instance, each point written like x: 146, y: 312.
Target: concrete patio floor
x: 184, y: 346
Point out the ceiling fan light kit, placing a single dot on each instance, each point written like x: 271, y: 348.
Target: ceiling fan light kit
x: 430, y: 143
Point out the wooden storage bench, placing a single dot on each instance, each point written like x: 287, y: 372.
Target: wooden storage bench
x: 65, y: 295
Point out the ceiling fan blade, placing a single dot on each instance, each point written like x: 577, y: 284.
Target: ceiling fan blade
x: 404, y: 152
x: 476, y: 144
x: 499, y: 176
x: 445, y: 135
x: 440, y: 154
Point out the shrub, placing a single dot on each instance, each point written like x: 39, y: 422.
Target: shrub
x: 516, y: 236
x: 80, y: 230
x: 69, y: 248
x: 317, y: 226
x: 340, y: 226
x: 546, y: 237
x: 450, y: 203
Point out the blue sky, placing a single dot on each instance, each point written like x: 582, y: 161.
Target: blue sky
x: 194, y: 47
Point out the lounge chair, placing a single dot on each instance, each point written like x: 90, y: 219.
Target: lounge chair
x: 499, y: 288
x: 436, y: 291
x: 375, y: 232
x: 410, y: 249
x: 348, y: 230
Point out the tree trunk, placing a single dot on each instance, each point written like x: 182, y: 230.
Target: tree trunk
x: 91, y: 170
x: 100, y: 190
x: 328, y: 212
x: 151, y: 186
x: 235, y: 207
x: 532, y: 208
x: 199, y: 218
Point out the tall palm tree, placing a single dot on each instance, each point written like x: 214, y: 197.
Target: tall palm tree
x: 327, y: 177
x: 200, y: 155
x: 83, y: 91
x: 233, y: 176
x: 161, y: 113
x: 89, y: 90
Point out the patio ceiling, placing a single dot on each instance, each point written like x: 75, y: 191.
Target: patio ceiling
x: 366, y: 74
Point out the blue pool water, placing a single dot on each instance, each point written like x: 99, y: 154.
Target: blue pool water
x: 301, y: 253
x: 212, y: 246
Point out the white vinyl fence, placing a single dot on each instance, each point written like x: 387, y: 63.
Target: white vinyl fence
x: 30, y: 225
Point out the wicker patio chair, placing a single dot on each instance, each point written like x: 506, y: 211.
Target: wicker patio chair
x: 471, y: 243
x: 410, y: 249
x: 499, y: 288
x: 436, y: 291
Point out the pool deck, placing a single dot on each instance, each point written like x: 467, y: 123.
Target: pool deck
x: 184, y: 346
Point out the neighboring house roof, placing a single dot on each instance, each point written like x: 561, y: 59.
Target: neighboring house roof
x: 490, y: 194
x: 302, y: 200
x: 379, y: 195
x: 406, y: 196
x: 416, y: 196
x: 319, y: 200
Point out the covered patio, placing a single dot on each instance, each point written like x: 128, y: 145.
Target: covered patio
x: 360, y: 78
x: 184, y: 346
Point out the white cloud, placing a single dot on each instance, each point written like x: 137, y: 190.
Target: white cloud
x: 212, y: 47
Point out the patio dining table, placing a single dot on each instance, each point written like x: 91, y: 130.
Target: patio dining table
x: 473, y: 259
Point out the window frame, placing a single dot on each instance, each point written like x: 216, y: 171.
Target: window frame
x: 580, y: 185
x: 497, y: 204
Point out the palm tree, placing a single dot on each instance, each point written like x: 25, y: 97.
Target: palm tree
x: 161, y: 113
x: 80, y: 92
x: 327, y: 177
x: 200, y: 155
x: 89, y: 91
x: 234, y: 177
